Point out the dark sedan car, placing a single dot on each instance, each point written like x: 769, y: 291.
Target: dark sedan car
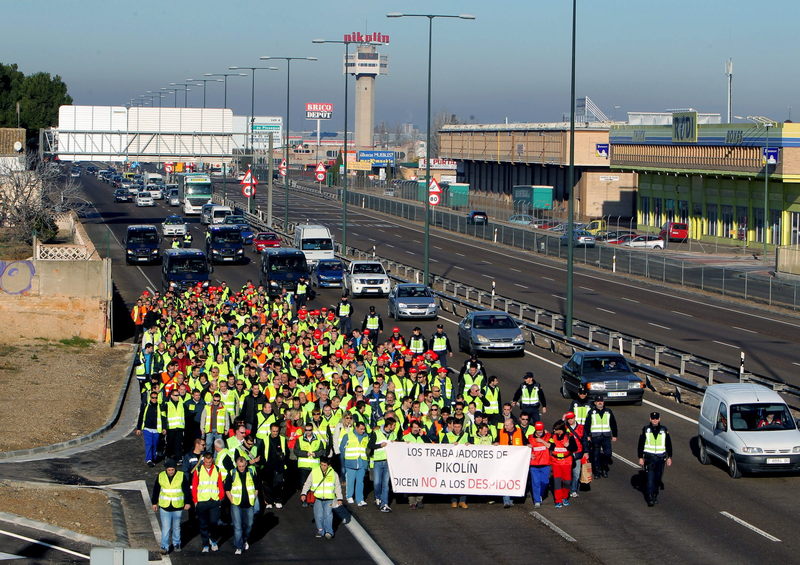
x: 122, y: 195
x: 604, y: 374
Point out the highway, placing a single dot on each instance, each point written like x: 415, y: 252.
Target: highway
x: 704, y: 516
x: 697, y: 323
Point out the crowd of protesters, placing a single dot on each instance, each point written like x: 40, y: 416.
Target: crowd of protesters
x: 248, y: 400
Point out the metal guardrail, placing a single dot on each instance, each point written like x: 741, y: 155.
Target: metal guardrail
x: 684, y: 371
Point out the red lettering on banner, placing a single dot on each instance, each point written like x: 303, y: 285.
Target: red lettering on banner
x: 358, y: 37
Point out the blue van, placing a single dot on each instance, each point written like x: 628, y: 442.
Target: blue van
x: 142, y: 244
x: 281, y: 267
x: 224, y: 244
x: 182, y: 268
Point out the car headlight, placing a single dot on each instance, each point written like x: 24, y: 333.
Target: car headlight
x: 274, y: 283
x: 796, y: 449
x: 482, y: 339
x: 519, y: 339
x: 205, y: 284
x: 633, y: 385
x: 402, y: 305
x: 130, y: 252
x: 239, y: 251
x: 172, y: 285
x: 596, y: 386
x: 752, y: 450
x: 154, y: 251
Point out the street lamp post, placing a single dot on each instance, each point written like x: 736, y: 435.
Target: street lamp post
x: 286, y: 147
x: 427, y: 246
x: 174, y: 92
x: 225, y: 80
x: 185, y: 90
x: 253, y: 96
x: 570, y: 186
x: 205, y: 81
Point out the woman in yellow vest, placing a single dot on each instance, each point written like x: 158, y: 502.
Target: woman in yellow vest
x: 170, y: 496
x: 327, y: 488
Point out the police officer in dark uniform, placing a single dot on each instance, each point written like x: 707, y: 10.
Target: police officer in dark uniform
x: 187, y: 240
x: 655, y: 451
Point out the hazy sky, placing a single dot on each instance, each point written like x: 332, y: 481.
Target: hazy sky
x: 512, y: 61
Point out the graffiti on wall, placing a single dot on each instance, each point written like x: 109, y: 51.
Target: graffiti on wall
x: 16, y: 276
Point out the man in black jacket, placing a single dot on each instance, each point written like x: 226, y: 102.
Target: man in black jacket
x: 252, y: 405
x: 600, y: 430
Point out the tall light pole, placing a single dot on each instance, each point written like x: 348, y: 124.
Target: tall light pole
x: 225, y: 80
x: 253, y: 96
x: 344, y: 144
x: 427, y: 246
x: 185, y: 90
x: 286, y: 147
x: 570, y: 186
x: 159, y: 95
x: 174, y: 92
x: 205, y: 81
x: 767, y: 123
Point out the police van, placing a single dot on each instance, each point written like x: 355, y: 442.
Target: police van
x: 183, y: 268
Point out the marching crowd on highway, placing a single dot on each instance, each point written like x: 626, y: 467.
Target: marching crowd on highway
x: 249, y: 399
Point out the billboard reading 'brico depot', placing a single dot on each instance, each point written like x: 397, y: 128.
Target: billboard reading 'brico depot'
x: 319, y: 111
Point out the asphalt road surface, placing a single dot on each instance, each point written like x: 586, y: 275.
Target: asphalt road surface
x: 704, y: 516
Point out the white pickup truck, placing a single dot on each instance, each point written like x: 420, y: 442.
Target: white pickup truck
x: 367, y: 278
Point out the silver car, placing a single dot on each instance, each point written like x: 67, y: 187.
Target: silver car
x: 582, y: 238
x: 490, y: 331
x: 409, y: 300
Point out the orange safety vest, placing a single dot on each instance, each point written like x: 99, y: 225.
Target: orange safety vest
x: 540, y: 454
x: 137, y: 314
x: 560, y: 454
x: 516, y: 437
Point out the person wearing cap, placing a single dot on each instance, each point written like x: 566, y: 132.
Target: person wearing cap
x: 530, y: 397
x: 397, y: 338
x: 540, y: 463
x: 171, y: 495
x: 655, y: 451
x: 601, y: 431
x: 138, y: 313
x: 562, y: 449
x: 440, y: 344
x: 344, y: 311
x: 417, y: 343
x: 576, y: 430
x: 374, y: 323
x: 581, y: 406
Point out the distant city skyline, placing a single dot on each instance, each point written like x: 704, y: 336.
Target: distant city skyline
x: 511, y: 63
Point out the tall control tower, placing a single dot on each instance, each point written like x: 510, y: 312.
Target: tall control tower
x: 366, y: 64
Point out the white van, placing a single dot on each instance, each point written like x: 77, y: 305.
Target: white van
x: 749, y: 428
x: 214, y: 213
x: 314, y: 241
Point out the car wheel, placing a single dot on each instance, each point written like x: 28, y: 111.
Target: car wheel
x: 564, y: 391
x: 702, y: 452
x: 733, y: 467
x: 658, y: 247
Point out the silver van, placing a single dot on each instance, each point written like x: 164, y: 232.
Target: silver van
x: 749, y: 428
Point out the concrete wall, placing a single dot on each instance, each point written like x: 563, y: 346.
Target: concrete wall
x: 788, y: 260
x: 51, y: 317
x: 603, y: 194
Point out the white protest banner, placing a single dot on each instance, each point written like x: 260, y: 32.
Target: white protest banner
x: 424, y: 468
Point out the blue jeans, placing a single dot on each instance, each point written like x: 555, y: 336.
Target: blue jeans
x: 576, y: 474
x: 242, y: 519
x: 210, y: 437
x: 323, y: 516
x: 380, y: 474
x: 170, y: 523
x: 540, y: 480
x: 355, y: 483
x: 150, y: 445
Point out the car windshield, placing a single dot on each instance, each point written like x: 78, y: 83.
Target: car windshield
x: 317, y: 244
x: 266, y: 235
x: 605, y: 365
x: 227, y: 237
x: 413, y: 291
x: 235, y: 220
x: 142, y: 237
x: 286, y: 264
x: 334, y: 266
x: 369, y: 268
x: 493, y: 323
x: 173, y: 220
x: 761, y: 417
x: 188, y: 265
x: 144, y: 195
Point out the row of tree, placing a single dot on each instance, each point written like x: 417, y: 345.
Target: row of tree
x: 39, y: 95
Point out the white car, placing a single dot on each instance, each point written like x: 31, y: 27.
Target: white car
x: 144, y: 199
x: 367, y: 277
x: 174, y: 226
x: 155, y: 191
x: 645, y: 241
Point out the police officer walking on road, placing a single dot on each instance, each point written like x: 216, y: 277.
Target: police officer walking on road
x: 655, y: 450
x: 344, y: 311
x: 187, y: 240
x: 374, y: 324
x: 601, y: 430
x: 530, y: 397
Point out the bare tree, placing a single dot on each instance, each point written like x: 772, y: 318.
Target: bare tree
x: 32, y: 193
x: 441, y: 119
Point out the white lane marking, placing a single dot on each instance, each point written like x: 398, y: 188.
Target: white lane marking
x: 488, y: 276
x: 629, y: 299
x: 657, y: 325
x: 515, y: 270
x: 459, y: 254
x: 749, y: 526
x: 389, y: 245
x: 520, y: 285
x: 687, y: 418
x: 486, y: 262
x: 410, y: 252
x: 432, y: 260
x: 548, y: 278
x: 398, y: 234
x: 587, y: 288
x: 457, y: 267
x: 436, y: 247
x: 682, y: 314
x: 604, y: 310
x: 626, y: 461
x: 798, y: 364
x: 51, y: 546
x: 416, y: 241
x: 744, y: 330
x: 559, y: 297
x: 553, y: 527
x: 373, y: 239
x: 725, y: 344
